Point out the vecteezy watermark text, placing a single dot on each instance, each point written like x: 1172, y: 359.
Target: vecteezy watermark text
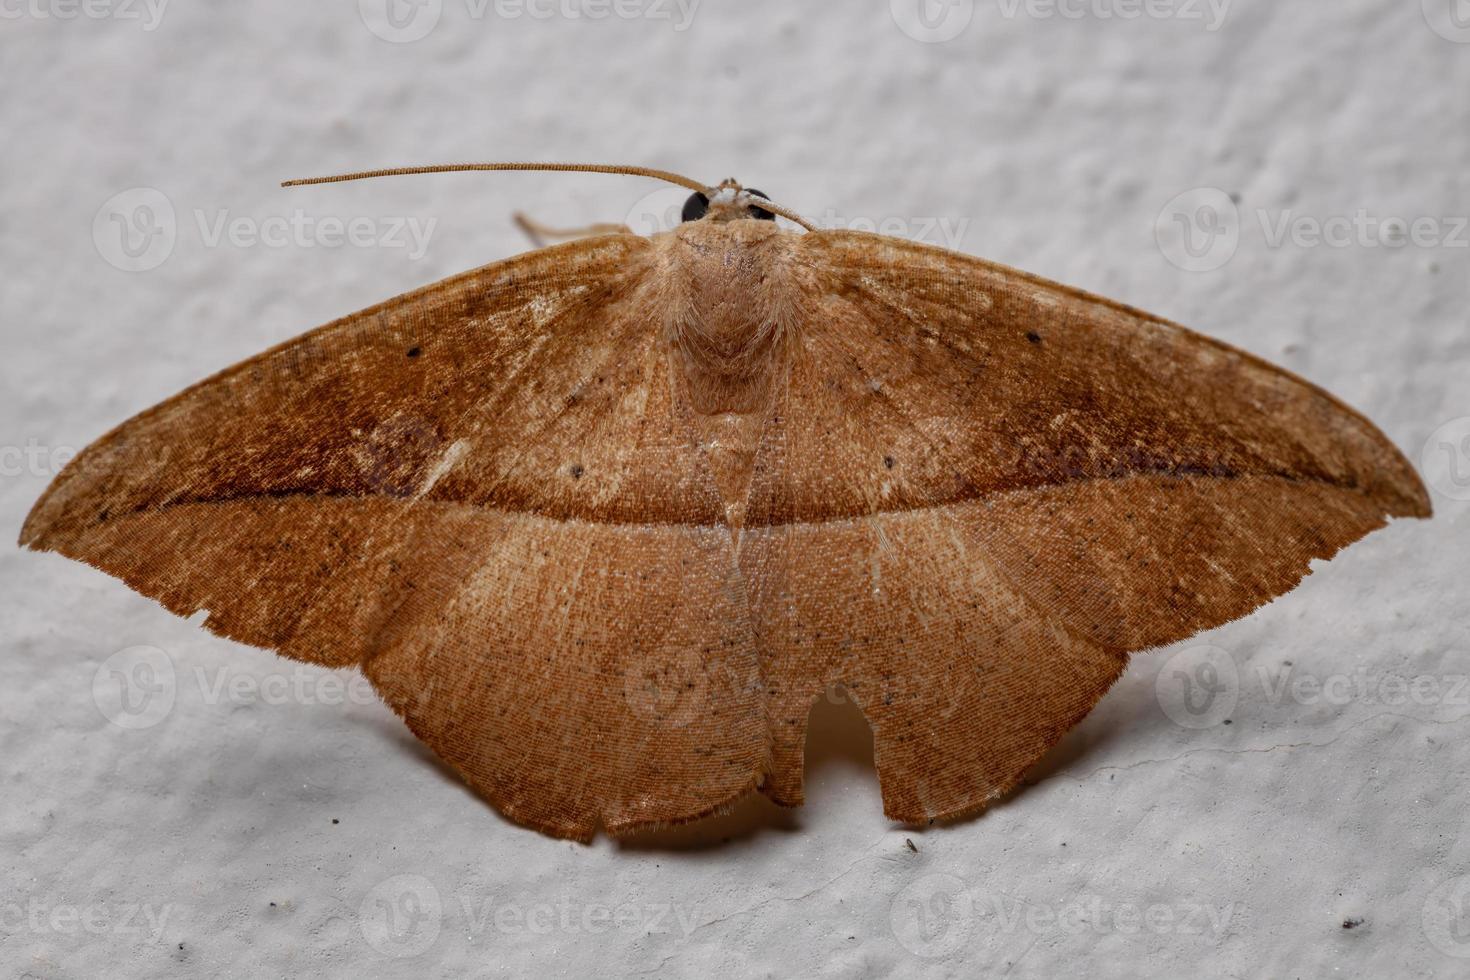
x: 939, y: 915
x: 1288, y: 684
x: 938, y: 21
x: 137, y: 230
x: 1202, y: 229
x: 406, y: 21
x: 137, y: 687
x: 1209, y: 13
x: 34, y: 459
x: 1201, y: 685
x: 147, y: 13
x: 403, y: 916
x: 134, y: 921
x: 300, y: 229
x: 662, y: 210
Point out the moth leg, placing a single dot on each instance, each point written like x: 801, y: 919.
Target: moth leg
x: 539, y: 234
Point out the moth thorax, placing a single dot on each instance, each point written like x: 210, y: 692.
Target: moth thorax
x: 732, y: 317
x: 729, y: 344
x: 728, y: 357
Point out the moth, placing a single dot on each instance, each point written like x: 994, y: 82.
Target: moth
x: 602, y: 520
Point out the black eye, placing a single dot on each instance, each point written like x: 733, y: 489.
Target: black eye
x: 756, y: 212
x: 696, y: 207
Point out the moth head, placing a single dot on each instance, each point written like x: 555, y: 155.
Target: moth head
x: 727, y: 202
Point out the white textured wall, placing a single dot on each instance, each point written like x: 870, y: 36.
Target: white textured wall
x: 208, y: 843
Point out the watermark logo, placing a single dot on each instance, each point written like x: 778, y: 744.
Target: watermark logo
x: 1199, y: 231
x: 147, y: 13
x: 401, y: 21
x: 1450, y: 19
x: 135, y: 688
x: 402, y: 916
x: 391, y: 458
x: 670, y: 685
x: 934, y: 916
x: 1198, y: 687
x: 1446, y: 918
x: 658, y: 211
x: 136, y: 229
x: 1445, y: 461
x: 932, y: 21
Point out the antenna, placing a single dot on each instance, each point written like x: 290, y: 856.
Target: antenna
x: 590, y: 168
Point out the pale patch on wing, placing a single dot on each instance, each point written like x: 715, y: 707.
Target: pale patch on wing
x: 443, y: 465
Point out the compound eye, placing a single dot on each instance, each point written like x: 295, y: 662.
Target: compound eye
x: 758, y: 212
x: 696, y: 207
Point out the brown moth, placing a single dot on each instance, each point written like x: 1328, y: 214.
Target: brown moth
x: 602, y: 520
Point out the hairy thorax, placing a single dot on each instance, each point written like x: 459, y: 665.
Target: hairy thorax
x: 731, y: 320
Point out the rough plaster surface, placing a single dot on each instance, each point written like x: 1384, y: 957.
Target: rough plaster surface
x: 1228, y: 811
